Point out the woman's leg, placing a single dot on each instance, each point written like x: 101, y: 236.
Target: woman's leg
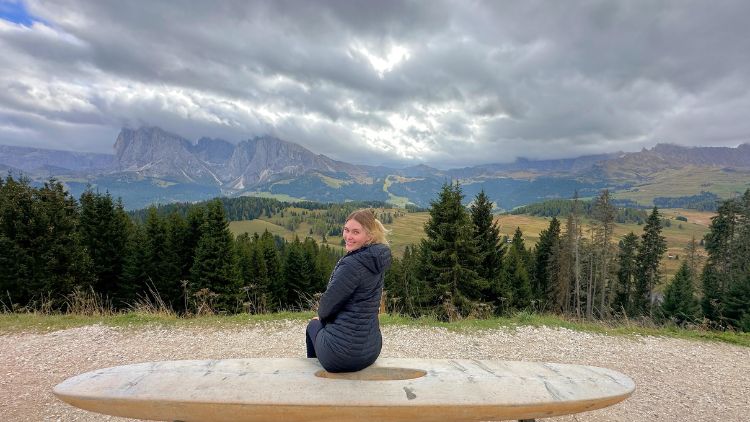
x: 310, y: 334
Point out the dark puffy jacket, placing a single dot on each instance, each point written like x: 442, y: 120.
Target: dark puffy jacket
x: 350, y: 339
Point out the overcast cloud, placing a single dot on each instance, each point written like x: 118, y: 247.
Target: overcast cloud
x: 447, y: 83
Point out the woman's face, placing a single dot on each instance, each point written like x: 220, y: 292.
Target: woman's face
x: 355, y: 235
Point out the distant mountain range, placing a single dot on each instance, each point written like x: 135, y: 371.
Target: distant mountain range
x: 151, y: 165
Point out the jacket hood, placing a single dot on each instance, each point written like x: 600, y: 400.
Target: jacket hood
x: 376, y: 258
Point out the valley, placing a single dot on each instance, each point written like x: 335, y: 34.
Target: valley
x: 407, y: 229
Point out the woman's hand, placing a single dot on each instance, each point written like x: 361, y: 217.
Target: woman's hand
x: 314, y: 318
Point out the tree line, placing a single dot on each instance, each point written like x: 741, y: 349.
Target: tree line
x: 563, y: 207
x: 53, y: 247
x: 464, y: 268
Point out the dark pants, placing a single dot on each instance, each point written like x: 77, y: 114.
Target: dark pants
x: 311, y: 333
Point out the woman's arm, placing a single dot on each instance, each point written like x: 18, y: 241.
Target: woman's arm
x: 343, y: 283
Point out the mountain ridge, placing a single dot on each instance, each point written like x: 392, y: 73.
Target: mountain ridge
x: 166, y: 167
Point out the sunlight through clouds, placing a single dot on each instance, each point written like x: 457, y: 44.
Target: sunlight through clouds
x: 442, y: 82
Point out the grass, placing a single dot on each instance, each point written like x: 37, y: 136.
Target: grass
x: 43, y: 323
x: 688, y: 181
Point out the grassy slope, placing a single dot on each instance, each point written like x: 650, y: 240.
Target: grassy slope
x: 688, y: 181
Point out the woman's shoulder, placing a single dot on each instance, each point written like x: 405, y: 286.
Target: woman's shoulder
x: 375, y: 258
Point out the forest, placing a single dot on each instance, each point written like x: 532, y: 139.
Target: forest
x: 54, y: 247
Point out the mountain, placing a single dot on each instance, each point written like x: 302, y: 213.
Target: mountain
x: 644, y: 165
x: 151, y: 165
x: 32, y: 159
x: 153, y: 152
x: 266, y: 159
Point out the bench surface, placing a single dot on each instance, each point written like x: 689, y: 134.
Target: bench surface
x: 298, y: 389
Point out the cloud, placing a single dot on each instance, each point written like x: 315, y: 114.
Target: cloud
x: 446, y: 83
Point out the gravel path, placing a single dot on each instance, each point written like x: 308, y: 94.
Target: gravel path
x: 677, y: 380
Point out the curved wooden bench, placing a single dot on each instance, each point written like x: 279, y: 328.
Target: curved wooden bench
x: 396, y: 390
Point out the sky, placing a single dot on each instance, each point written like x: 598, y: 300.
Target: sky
x: 443, y: 83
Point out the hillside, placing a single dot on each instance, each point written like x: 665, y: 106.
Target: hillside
x: 407, y: 229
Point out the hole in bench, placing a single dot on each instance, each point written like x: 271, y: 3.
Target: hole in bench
x: 374, y: 374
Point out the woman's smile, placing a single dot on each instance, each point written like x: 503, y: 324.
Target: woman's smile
x: 355, y: 236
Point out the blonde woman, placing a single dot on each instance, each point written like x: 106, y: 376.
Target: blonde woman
x: 345, y: 336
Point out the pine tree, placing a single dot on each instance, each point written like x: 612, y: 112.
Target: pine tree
x: 693, y: 259
x: 626, y: 272
x: 487, y: 236
x: 737, y: 305
x: 604, y: 214
x: 135, y: 277
x: 18, y: 229
x: 516, y: 272
x: 276, y: 285
x: 719, y: 240
x: 650, y: 252
x: 576, y: 234
x: 104, y: 228
x: 62, y: 264
x: 213, y: 268
x: 713, y: 296
x: 296, y: 274
x: 549, y: 240
x: 680, y: 304
x: 405, y: 289
x: 562, y: 268
x: 161, y: 266
x: 448, y: 258
x: 728, y: 245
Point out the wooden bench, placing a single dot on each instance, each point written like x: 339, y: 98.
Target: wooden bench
x: 291, y: 389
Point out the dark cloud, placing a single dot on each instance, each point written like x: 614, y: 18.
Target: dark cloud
x: 449, y: 83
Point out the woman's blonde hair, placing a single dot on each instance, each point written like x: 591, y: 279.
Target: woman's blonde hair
x: 373, y: 226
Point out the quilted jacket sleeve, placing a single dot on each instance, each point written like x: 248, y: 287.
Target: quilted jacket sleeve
x: 343, y: 284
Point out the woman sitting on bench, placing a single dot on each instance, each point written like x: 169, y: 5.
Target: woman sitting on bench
x: 345, y: 336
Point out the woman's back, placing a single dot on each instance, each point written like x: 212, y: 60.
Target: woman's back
x: 350, y: 339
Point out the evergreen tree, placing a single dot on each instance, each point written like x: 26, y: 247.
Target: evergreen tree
x: 405, y: 289
x: 650, y: 252
x: 719, y: 239
x: 161, y: 266
x: 487, y: 237
x: 296, y: 274
x: 680, y: 304
x: 19, y: 226
x: 728, y: 246
x: 549, y: 240
x: 712, y: 300
x: 61, y: 260
x: 626, y: 272
x: 178, y: 241
x: 562, y: 268
x: 252, y: 272
x: 516, y: 273
x: 737, y: 305
x: 604, y: 213
x: 135, y: 277
x: 276, y: 286
x: 104, y: 228
x: 213, y: 268
x: 448, y: 258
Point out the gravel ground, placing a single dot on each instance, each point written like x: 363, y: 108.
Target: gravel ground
x: 676, y: 380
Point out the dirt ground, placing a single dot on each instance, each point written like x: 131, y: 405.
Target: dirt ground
x: 676, y: 380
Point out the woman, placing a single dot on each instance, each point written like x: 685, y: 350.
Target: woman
x: 345, y: 336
